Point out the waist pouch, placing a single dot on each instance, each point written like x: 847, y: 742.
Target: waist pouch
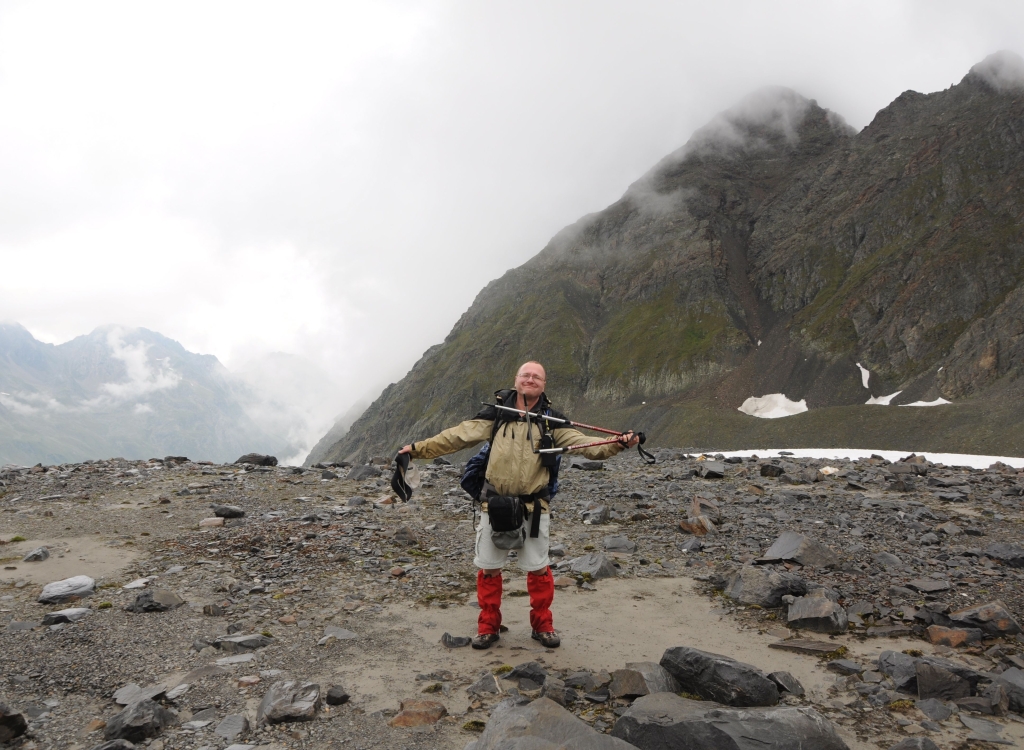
x: 507, y: 514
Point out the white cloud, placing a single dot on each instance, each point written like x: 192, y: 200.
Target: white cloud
x: 1003, y: 71
x: 142, y: 409
x: 145, y: 375
x: 772, y: 406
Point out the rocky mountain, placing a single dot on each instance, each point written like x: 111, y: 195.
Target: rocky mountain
x: 120, y: 392
x: 773, y: 253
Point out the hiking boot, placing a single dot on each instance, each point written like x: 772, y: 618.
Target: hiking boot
x: 547, y: 640
x: 484, y: 640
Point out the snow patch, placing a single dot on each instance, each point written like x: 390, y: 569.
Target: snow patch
x: 883, y: 400
x: 865, y: 374
x: 850, y: 454
x: 936, y: 402
x: 772, y: 406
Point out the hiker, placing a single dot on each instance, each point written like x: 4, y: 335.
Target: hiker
x: 514, y: 470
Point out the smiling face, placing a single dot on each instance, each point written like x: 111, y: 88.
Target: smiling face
x: 530, y: 380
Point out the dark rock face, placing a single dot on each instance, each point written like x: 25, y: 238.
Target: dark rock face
x: 664, y: 721
x: 12, y: 723
x: 897, y: 247
x: 257, y: 459
x: 541, y: 724
x: 139, y: 722
x: 763, y: 586
x: 719, y: 678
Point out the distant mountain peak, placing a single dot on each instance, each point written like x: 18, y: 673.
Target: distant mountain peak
x: 1003, y: 71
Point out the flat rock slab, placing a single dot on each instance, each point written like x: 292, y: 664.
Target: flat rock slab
x: 418, y: 713
x: 289, y: 700
x: 231, y: 726
x: 155, y: 600
x: 719, y: 678
x: 902, y: 669
x: 984, y: 730
x: 139, y: 722
x: 1008, y: 554
x: 245, y: 642
x: 132, y: 693
x: 928, y: 585
x: 664, y: 721
x: 541, y: 725
x: 61, y: 591
x: 805, y: 646
x: 801, y: 549
x: 66, y: 615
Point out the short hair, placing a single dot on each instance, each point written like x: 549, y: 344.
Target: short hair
x: 533, y: 362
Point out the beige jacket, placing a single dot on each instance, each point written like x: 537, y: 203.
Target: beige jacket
x: 513, y: 468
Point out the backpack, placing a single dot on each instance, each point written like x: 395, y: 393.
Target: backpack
x: 476, y: 468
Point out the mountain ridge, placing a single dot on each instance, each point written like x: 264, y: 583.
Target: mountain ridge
x: 770, y: 254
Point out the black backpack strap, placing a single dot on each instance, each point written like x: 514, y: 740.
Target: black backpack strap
x: 535, y: 518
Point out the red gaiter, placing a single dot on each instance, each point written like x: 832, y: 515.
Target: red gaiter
x: 488, y: 595
x: 541, y: 586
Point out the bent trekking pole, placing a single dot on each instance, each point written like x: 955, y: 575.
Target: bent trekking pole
x: 642, y: 438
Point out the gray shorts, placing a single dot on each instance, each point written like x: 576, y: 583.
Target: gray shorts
x: 533, y: 555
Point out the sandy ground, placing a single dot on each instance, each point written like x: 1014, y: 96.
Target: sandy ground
x: 93, y: 556
x: 623, y: 621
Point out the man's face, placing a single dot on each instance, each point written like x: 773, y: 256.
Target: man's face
x: 530, y: 380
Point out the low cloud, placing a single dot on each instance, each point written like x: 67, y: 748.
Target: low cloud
x: 1003, y: 71
x: 145, y: 376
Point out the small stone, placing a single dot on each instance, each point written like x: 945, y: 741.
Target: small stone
x: 618, y: 543
x: 37, y: 555
x: 228, y: 511
x: 287, y: 620
x: 215, y: 521
x: 337, y: 695
x: 249, y: 680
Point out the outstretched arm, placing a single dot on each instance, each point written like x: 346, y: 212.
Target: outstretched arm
x: 464, y: 435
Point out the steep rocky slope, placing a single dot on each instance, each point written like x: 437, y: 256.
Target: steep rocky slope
x: 772, y: 253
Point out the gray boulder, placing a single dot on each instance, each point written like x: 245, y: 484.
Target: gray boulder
x: 763, y: 586
x: 155, y: 600
x: 289, y: 700
x: 902, y: 669
x: 232, y: 726
x: 1008, y: 554
x: 597, y: 515
x: 227, y: 511
x: 541, y: 725
x: 257, y: 459
x: 116, y: 745
x: 664, y: 721
x: 794, y: 547
x: 37, y: 555
x: 12, y: 723
x: 595, y: 565
x: 711, y: 469
x: 1012, y: 680
x: 60, y: 591
x: 363, y: 472
x: 992, y: 617
x: 818, y: 613
x: 719, y: 678
x: 139, y: 722
x: 588, y: 465
x: 936, y: 682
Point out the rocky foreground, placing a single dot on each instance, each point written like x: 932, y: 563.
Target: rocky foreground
x: 203, y: 606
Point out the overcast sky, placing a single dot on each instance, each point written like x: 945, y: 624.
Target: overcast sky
x: 339, y: 180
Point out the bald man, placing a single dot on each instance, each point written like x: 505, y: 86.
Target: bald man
x: 514, y: 469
